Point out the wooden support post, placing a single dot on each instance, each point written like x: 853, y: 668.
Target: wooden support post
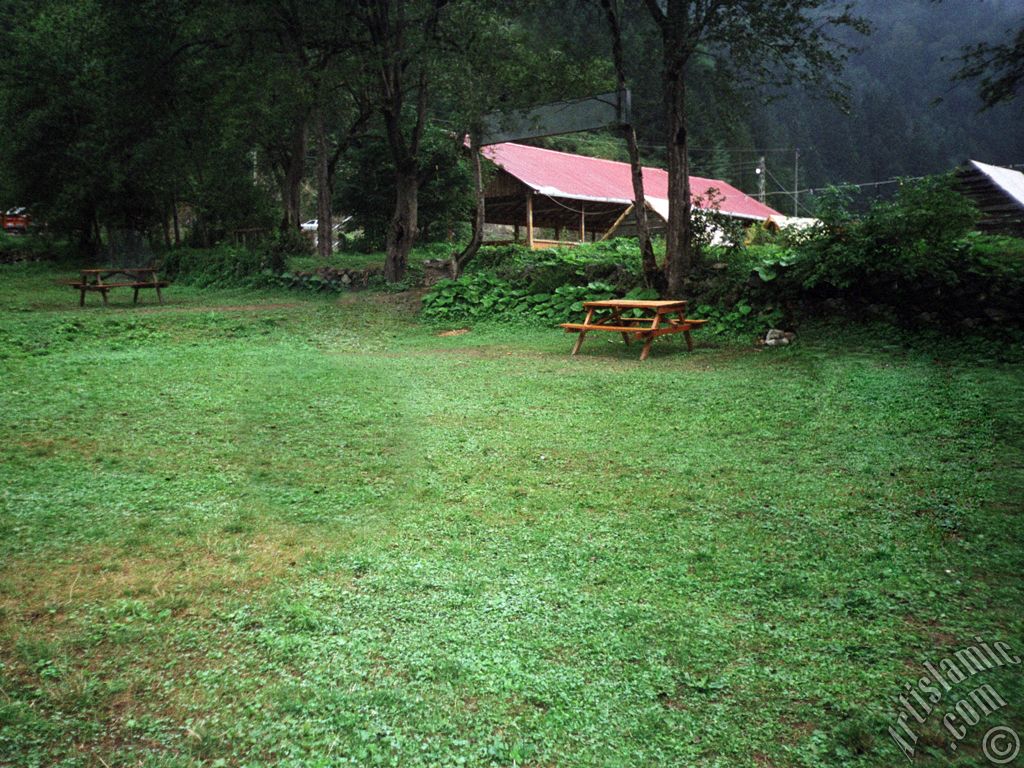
x: 618, y: 222
x: 583, y: 222
x: 529, y: 220
x: 515, y: 232
x: 558, y: 232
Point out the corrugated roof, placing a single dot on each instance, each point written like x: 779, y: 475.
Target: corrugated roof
x: 997, y: 192
x: 576, y: 177
x: 1008, y: 180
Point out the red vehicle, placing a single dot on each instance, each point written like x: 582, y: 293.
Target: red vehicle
x: 16, y: 221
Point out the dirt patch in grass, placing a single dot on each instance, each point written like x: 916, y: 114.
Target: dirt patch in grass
x: 183, y: 576
x: 45, y: 447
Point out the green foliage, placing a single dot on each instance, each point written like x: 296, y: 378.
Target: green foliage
x: 223, y: 266
x: 909, y: 239
x: 366, y: 188
x: 616, y: 261
x: 282, y: 245
x: 15, y: 248
x: 481, y: 296
x: 739, y: 321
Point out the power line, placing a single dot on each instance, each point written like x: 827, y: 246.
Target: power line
x: 799, y: 206
x: 721, y: 149
x: 894, y: 180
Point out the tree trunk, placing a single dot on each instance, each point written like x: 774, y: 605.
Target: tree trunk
x: 324, y: 224
x: 177, y: 224
x: 291, y: 184
x: 460, y: 260
x: 653, y: 278
x: 165, y: 225
x: 679, y: 239
x: 402, y: 230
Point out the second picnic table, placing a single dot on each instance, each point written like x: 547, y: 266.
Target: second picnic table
x: 656, y: 318
x: 132, y: 277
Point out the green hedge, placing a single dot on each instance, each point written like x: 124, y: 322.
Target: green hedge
x: 223, y: 266
x: 32, y: 247
x: 616, y: 262
x: 481, y: 296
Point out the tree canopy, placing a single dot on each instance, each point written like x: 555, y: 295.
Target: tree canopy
x: 192, y: 119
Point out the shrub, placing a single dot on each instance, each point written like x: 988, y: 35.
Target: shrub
x: 908, y: 240
x: 616, y: 262
x: 281, y: 245
x: 222, y: 266
x: 14, y: 248
x: 480, y: 296
x: 742, y: 319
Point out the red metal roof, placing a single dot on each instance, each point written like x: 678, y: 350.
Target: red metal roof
x: 561, y: 174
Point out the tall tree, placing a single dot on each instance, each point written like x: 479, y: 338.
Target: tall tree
x: 401, y: 37
x: 755, y: 43
x: 613, y: 14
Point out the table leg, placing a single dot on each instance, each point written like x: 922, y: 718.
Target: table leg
x: 650, y: 337
x: 616, y: 316
x: 689, y: 341
x: 135, y: 296
x: 579, y: 339
x: 647, y: 348
x: 159, y: 298
x: 103, y: 293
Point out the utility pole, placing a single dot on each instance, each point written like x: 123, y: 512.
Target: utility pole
x: 796, y: 182
x: 762, y: 172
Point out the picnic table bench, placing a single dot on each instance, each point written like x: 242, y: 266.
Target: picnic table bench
x: 655, y: 319
x: 136, y: 278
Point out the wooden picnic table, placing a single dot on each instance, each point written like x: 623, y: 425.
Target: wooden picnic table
x: 647, y: 321
x: 136, y: 278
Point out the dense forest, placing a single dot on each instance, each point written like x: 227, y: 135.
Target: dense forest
x: 197, y: 118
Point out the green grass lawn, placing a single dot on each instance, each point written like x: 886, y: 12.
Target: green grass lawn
x: 254, y: 529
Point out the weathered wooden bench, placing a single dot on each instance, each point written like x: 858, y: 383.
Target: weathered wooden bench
x: 654, y: 321
x: 136, y: 278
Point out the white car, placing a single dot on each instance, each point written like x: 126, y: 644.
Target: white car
x: 311, y: 225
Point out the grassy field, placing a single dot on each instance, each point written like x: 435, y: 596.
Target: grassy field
x: 273, y: 529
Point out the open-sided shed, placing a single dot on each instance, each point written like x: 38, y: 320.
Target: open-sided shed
x: 537, y: 188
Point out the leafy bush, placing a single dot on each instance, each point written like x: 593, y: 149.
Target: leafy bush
x: 614, y: 261
x: 480, y: 296
x: 14, y: 248
x: 222, y: 266
x: 277, y: 249
x: 911, y: 239
x: 739, y: 320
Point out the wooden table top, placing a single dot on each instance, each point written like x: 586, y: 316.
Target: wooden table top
x: 116, y: 270
x: 635, y: 304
